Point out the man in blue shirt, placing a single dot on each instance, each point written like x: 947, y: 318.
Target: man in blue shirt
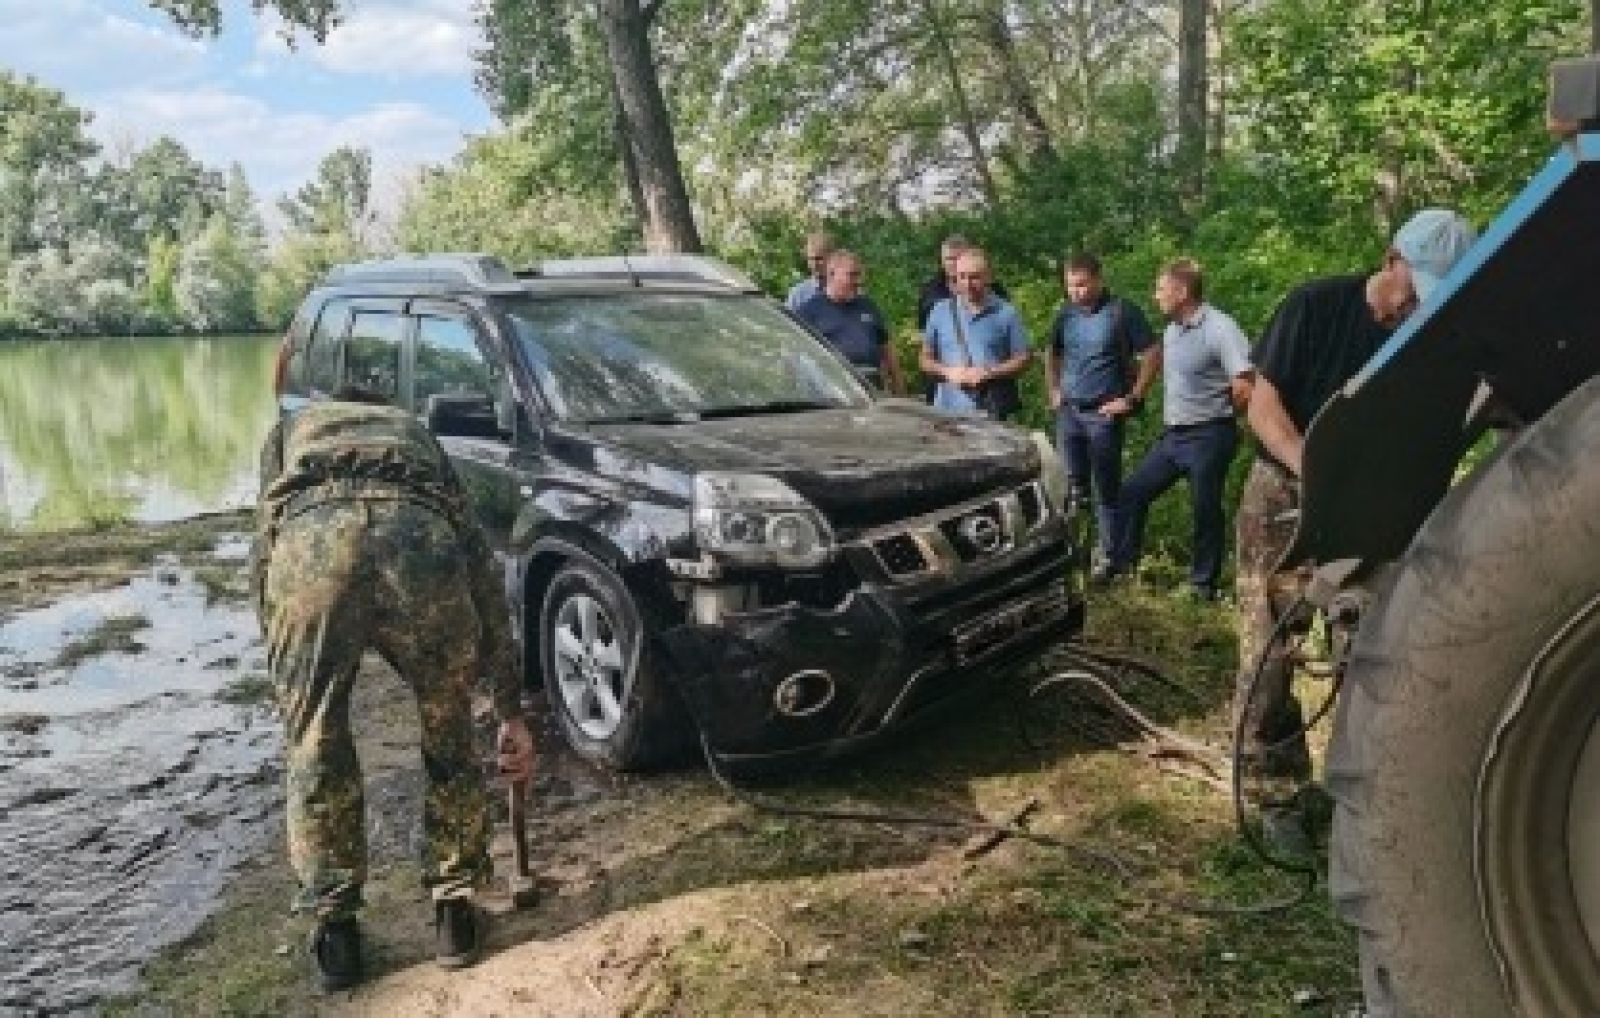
x: 1094, y: 342
x: 849, y: 320
x: 1206, y: 379
x: 818, y: 247
x: 974, y: 345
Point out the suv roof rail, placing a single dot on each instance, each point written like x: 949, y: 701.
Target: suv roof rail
x: 639, y: 268
x: 477, y: 271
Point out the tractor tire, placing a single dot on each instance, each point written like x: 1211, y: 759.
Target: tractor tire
x: 1465, y: 762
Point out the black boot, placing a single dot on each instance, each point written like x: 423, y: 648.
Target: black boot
x: 458, y: 932
x: 336, y: 954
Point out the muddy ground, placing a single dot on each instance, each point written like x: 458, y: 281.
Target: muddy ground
x: 140, y: 819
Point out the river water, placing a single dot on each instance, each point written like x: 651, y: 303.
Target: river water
x: 140, y: 429
x: 137, y: 766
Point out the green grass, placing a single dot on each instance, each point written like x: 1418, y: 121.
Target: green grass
x: 1103, y: 929
x: 113, y: 635
x: 247, y: 690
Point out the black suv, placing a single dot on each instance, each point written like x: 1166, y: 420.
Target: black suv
x: 700, y: 505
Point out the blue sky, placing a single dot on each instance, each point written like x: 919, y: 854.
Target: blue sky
x: 395, y: 78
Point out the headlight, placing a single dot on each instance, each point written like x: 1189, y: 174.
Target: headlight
x: 1052, y: 477
x: 753, y: 519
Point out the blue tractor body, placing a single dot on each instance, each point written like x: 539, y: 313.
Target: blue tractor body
x: 1513, y: 329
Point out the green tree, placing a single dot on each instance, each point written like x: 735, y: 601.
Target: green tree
x: 85, y: 288
x: 1371, y: 107
x: 299, y: 263
x: 335, y: 200
x: 161, y: 276
x: 497, y: 198
x: 42, y: 139
x: 215, y: 286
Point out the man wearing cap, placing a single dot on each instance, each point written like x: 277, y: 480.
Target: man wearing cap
x: 1322, y: 334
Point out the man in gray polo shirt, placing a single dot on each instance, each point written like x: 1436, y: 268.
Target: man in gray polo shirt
x: 1206, y: 377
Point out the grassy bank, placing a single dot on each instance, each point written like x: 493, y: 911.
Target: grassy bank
x: 40, y: 566
x: 666, y: 898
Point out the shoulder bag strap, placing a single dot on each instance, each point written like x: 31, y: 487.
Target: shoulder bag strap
x: 961, y: 330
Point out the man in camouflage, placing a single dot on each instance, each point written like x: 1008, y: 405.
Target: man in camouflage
x: 364, y: 542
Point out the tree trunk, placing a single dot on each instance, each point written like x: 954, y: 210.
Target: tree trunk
x: 999, y: 37
x: 667, y: 215
x: 630, y: 164
x: 1219, y: 79
x: 1192, y: 96
x: 963, y: 107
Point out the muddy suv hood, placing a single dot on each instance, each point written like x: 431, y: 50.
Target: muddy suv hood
x: 861, y: 467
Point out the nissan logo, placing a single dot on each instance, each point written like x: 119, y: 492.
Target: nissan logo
x: 983, y: 532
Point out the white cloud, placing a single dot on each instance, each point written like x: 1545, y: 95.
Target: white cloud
x: 77, y: 45
x: 280, y: 149
x: 423, y: 38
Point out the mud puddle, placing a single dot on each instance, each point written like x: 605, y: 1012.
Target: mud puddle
x: 138, y: 766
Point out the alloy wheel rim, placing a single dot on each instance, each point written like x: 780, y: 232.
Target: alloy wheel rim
x: 589, y: 665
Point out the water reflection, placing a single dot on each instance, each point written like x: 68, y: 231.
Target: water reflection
x: 130, y: 429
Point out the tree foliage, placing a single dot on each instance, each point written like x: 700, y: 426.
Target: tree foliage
x: 336, y: 200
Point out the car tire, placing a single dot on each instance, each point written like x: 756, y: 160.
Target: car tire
x: 1465, y: 759
x: 601, y: 675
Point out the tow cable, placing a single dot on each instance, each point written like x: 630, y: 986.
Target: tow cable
x: 1094, y: 669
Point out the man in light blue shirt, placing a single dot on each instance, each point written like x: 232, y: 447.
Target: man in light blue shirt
x: 974, y: 345
x: 818, y: 247
x: 1206, y: 377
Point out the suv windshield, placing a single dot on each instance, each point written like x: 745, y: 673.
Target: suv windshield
x: 655, y: 356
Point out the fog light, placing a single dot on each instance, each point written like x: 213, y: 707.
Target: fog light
x: 803, y: 693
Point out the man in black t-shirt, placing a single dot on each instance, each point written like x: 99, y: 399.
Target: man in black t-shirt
x: 1322, y: 334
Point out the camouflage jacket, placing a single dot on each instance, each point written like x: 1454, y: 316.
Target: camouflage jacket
x: 333, y: 451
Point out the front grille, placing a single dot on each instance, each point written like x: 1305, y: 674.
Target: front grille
x: 960, y: 536
x: 900, y: 555
x: 979, y: 534
x: 1031, y: 501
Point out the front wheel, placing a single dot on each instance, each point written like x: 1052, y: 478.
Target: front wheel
x: 602, y: 681
x: 1466, y: 759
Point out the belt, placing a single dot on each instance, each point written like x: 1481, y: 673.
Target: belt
x: 1214, y: 422
x: 346, y: 491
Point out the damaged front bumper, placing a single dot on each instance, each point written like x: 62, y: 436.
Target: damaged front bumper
x: 808, y: 681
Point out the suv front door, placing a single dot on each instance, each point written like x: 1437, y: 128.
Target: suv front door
x: 449, y: 360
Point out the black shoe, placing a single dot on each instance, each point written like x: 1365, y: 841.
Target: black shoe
x: 458, y: 932
x: 336, y: 954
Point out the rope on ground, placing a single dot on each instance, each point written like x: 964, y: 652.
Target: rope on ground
x: 1094, y: 672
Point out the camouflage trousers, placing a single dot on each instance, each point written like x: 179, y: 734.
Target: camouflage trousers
x: 1272, y: 715
x: 344, y: 577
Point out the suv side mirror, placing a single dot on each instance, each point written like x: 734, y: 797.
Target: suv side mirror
x: 462, y: 414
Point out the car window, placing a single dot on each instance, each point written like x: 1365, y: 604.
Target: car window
x: 372, y: 354
x: 620, y: 356
x: 449, y: 360
x: 322, y: 360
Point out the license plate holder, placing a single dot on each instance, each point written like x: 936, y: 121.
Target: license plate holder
x: 974, y: 639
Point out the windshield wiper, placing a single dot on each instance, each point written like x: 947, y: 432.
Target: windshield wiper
x: 779, y: 406
x: 648, y: 417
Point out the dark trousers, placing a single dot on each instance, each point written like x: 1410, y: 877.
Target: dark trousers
x: 1201, y: 453
x: 1091, y: 451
